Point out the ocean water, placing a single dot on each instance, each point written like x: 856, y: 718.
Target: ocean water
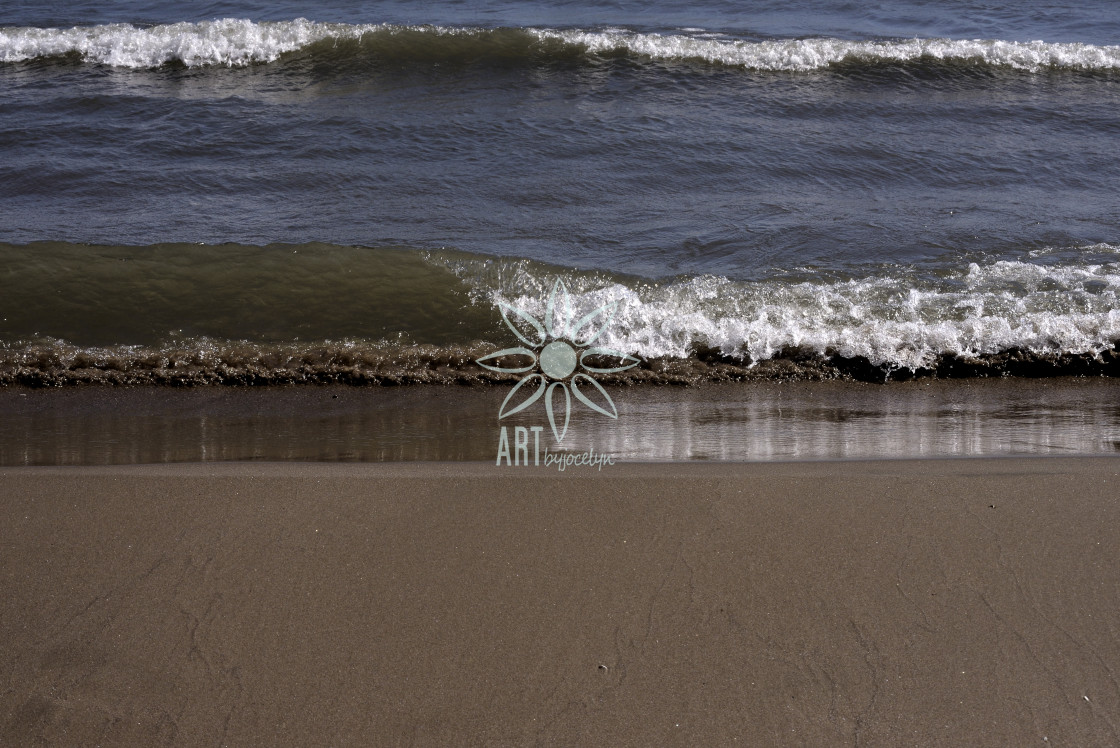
x: 213, y: 192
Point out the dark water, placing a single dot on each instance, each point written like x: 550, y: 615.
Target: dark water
x: 886, y: 183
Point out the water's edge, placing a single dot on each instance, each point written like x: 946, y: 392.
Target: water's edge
x: 722, y: 422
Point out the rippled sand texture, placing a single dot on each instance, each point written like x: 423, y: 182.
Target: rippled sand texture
x: 922, y: 603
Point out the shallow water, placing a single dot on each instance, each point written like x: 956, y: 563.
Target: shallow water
x: 789, y: 421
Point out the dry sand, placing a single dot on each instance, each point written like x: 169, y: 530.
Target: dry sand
x: 939, y: 602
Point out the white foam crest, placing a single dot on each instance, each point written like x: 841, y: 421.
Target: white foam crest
x: 230, y: 42
x: 814, y: 54
x: 238, y: 42
x: 981, y: 310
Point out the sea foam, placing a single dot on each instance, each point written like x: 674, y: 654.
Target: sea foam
x: 894, y: 320
x: 239, y: 42
x: 229, y: 42
x: 815, y: 54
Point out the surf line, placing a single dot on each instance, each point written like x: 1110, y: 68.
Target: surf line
x: 517, y: 452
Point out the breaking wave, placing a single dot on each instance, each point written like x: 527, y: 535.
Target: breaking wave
x: 327, y: 313
x: 240, y: 42
x: 895, y: 319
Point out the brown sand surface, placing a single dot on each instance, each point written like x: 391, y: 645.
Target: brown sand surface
x: 937, y: 602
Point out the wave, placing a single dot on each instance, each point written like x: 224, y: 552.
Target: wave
x: 895, y: 319
x: 179, y: 314
x: 802, y: 55
x: 239, y: 42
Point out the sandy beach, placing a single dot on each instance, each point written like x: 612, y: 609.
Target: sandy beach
x: 932, y: 602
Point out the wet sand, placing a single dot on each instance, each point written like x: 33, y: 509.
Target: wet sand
x: 935, y: 602
x: 738, y: 422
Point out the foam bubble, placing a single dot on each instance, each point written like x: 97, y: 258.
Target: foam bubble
x: 231, y: 42
x: 814, y: 54
x: 892, y: 320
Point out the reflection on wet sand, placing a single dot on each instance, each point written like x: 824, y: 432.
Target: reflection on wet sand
x: 757, y: 421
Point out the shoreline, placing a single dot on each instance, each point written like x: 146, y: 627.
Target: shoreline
x: 746, y: 422
x: 926, y: 602
x: 214, y: 363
